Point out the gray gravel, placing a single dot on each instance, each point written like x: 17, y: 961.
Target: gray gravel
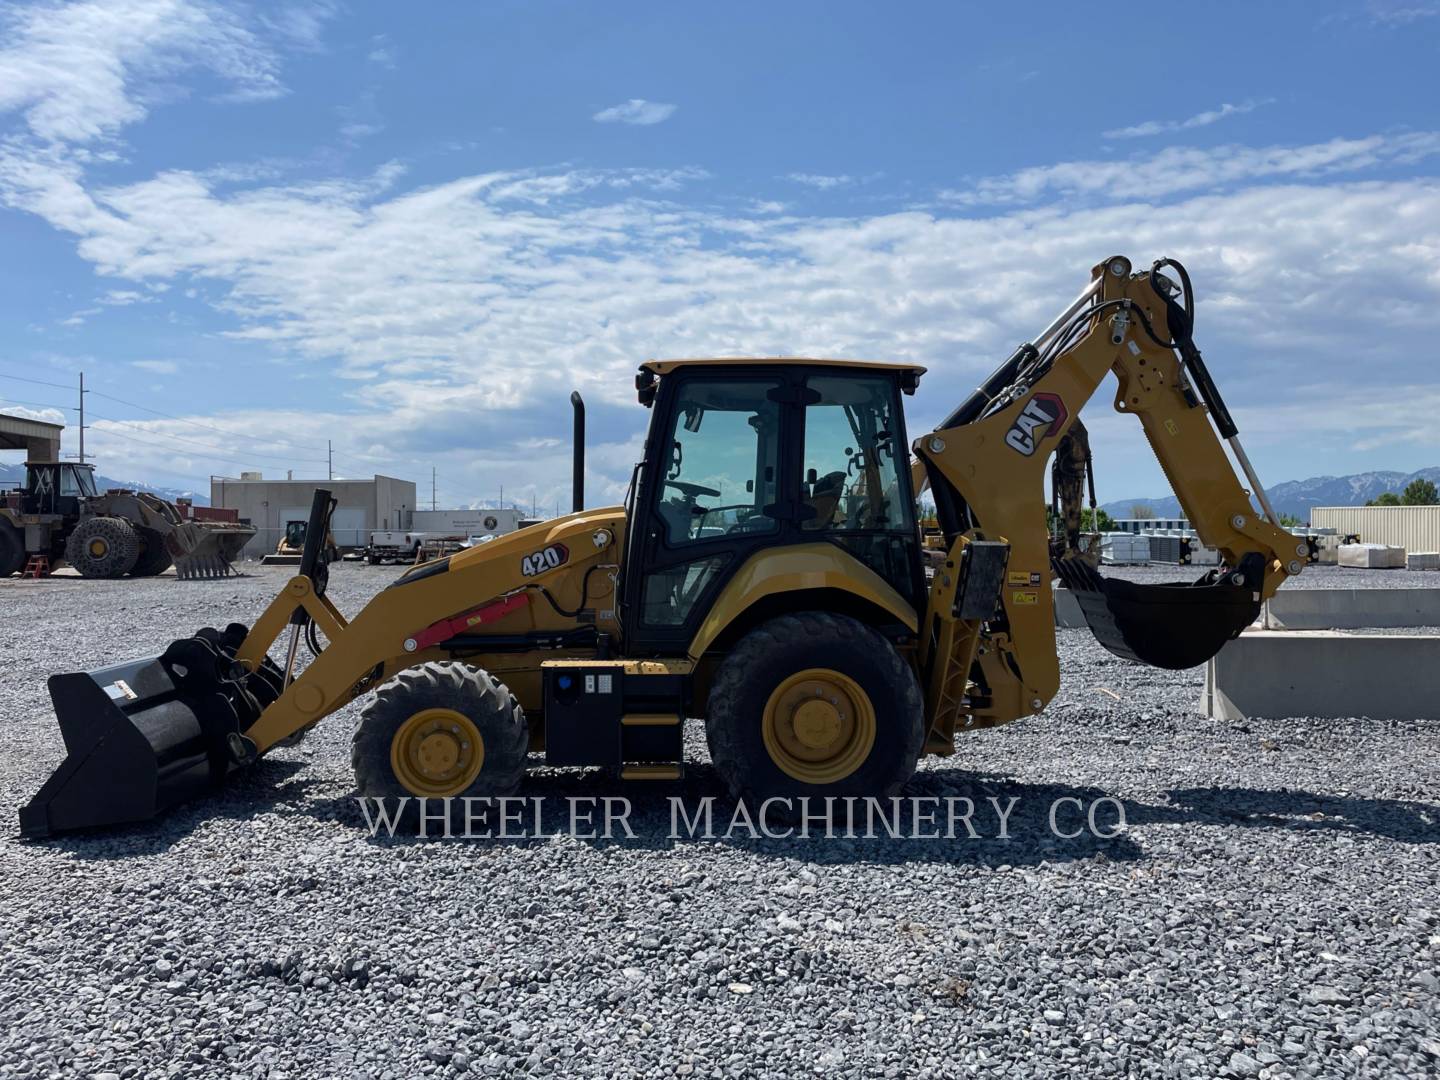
x: 1273, y: 909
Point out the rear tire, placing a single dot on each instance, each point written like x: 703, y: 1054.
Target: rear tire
x: 153, y: 558
x: 418, y: 739
x: 103, y: 547
x: 12, y: 549
x: 814, y: 705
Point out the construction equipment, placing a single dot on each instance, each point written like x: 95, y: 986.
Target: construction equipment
x: 764, y: 574
x: 60, y: 516
x: 291, y: 546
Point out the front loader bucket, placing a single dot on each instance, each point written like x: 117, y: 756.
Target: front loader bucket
x: 1172, y: 625
x: 145, y: 735
x: 202, y: 550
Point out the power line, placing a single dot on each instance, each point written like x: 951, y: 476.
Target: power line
x: 330, y: 452
x: 36, y: 404
x: 195, y: 423
x: 37, y: 382
x: 147, y: 442
x: 204, y: 446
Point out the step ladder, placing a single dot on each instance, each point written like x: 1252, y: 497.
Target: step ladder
x: 38, y: 566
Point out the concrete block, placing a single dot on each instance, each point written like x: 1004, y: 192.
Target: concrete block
x: 1276, y: 674
x: 1423, y: 560
x: 1350, y: 609
x: 1372, y: 556
x: 1203, y: 556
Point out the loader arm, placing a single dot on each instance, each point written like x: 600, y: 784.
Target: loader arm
x: 988, y: 651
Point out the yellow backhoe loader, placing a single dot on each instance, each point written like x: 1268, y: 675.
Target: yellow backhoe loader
x: 764, y: 574
x: 290, y: 548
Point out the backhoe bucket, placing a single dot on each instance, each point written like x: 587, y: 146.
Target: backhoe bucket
x: 206, y: 550
x: 142, y: 736
x: 1172, y: 625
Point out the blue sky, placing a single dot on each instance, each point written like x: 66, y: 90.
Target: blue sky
x: 412, y: 229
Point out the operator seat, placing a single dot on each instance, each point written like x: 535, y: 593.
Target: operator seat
x: 824, y: 498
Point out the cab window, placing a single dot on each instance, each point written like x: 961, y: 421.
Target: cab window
x: 719, y: 461
x: 68, y: 483
x: 851, y: 479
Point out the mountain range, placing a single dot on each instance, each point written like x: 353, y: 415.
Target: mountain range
x: 13, y: 475
x: 1297, y: 497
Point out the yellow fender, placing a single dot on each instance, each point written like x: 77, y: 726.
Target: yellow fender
x: 788, y: 569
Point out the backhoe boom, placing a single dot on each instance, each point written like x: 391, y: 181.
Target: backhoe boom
x: 986, y: 466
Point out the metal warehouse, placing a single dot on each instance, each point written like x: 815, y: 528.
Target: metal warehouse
x: 1414, y: 528
x: 382, y: 502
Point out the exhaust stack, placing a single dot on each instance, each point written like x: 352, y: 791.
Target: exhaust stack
x: 577, y: 481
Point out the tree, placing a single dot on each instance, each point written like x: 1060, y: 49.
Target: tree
x: 1420, y: 493
x: 1387, y: 498
x: 1289, y: 521
x: 1096, y: 520
x: 1140, y: 510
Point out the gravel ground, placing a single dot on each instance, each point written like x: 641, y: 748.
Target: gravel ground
x: 1271, y: 910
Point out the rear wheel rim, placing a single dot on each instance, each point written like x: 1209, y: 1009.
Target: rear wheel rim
x: 98, y: 547
x: 437, y: 753
x: 818, y: 726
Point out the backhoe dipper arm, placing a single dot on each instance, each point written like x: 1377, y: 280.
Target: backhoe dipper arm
x: 986, y: 467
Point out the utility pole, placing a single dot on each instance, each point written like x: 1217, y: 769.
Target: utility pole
x: 82, y: 418
x: 502, y: 496
x: 329, y: 460
x: 432, y: 487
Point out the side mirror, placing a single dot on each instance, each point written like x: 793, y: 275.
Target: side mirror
x: 750, y: 487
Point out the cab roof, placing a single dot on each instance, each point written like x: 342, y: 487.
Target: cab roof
x: 665, y: 367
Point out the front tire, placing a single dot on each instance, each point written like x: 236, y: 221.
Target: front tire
x: 153, y: 558
x: 442, y: 732
x: 103, y: 547
x: 814, y: 705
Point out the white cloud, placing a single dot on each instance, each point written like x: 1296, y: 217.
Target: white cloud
x: 49, y: 416
x: 490, y: 295
x: 156, y: 367
x: 1180, y: 169
x: 79, y: 71
x: 456, y: 315
x: 817, y: 180
x: 636, y: 111
x: 1400, y: 12
x: 1200, y: 119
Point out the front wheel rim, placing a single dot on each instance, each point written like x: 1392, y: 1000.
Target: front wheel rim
x: 818, y: 726
x: 437, y: 753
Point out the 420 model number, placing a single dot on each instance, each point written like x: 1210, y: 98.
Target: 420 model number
x: 545, y: 559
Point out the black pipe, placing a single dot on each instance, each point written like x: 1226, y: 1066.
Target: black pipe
x: 1000, y: 378
x: 577, y: 482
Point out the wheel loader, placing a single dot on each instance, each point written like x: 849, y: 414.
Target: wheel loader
x: 764, y: 575
x: 61, y: 516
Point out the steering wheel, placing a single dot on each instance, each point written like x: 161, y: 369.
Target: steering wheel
x: 689, y: 489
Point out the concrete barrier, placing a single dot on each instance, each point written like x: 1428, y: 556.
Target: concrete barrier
x: 1350, y: 609
x: 1271, y: 674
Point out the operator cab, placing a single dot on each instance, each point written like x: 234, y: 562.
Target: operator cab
x: 748, y: 454
x: 56, y: 487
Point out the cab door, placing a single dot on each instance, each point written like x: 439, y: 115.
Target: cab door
x: 714, y: 489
